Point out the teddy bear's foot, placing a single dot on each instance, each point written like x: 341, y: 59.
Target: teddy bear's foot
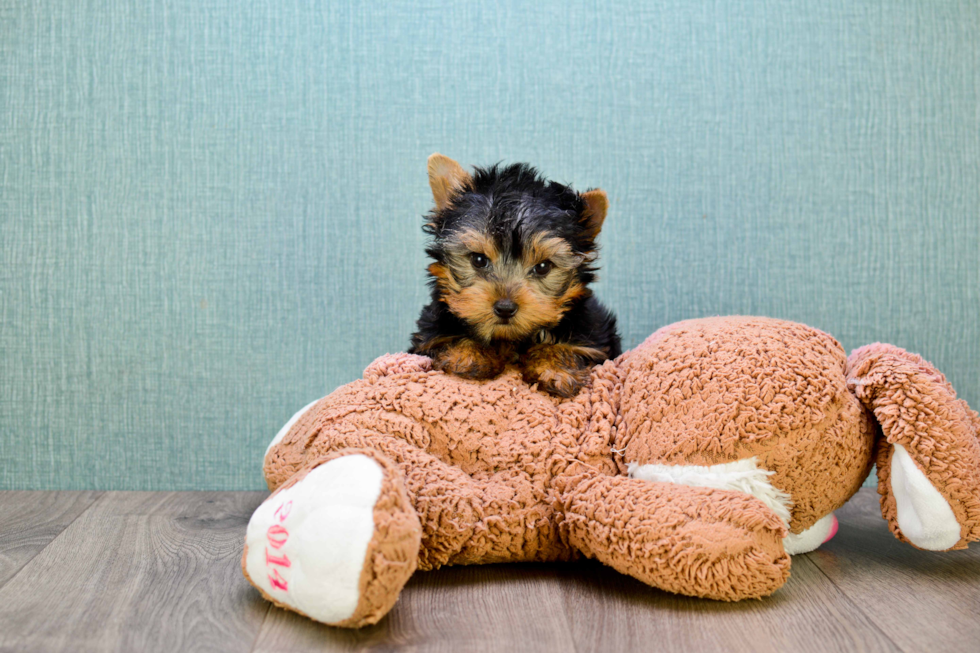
x: 337, y: 541
x: 928, y: 458
x: 924, y: 516
x: 813, y: 537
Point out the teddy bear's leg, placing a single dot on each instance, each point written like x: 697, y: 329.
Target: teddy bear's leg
x: 337, y: 541
x: 698, y: 541
x: 464, y: 520
x: 929, y: 456
x: 475, y: 521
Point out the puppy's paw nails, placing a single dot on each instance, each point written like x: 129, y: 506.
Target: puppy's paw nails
x: 473, y: 372
x: 558, y: 382
x: 468, y: 363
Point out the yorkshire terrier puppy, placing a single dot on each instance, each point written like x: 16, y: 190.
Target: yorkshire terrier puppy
x: 513, y: 258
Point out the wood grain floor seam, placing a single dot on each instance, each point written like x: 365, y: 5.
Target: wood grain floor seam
x: 923, y: 600
x: 8, y: 576
x: 853, y: 604
x: 258, y: 631
x: 140, y: 571
x: 568, y: 620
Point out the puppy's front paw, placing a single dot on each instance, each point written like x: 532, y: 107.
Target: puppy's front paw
x: 557, y: 369
x: 470, y: 360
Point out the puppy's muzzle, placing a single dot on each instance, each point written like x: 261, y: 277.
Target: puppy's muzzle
x: 505, y: 309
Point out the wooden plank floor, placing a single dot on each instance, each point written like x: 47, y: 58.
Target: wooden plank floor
x: 145, y: 571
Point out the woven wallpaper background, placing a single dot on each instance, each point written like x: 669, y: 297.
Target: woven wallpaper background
x: 210, y: 210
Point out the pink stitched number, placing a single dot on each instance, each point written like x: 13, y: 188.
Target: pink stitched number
x: 282, y: 561
x: 277, y: 536
x: 278, y: 581
x: 283, y: 511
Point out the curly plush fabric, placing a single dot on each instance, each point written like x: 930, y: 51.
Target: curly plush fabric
x: 745, y: 387
x: 496, y: 471
x: 918, y: 409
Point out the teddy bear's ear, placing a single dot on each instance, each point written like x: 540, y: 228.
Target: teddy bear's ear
x: 594, y: 214
x: 445, y: 177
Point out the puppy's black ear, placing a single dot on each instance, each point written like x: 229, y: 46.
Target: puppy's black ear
x: 594, y: 213
x: 445, y: 177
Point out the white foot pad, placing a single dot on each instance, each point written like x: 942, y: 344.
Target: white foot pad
x: 924, y: 516
x: 811, y: 538
x: 307, y: 544
x: 285, y: 429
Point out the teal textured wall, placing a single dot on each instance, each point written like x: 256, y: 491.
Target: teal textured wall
x: 210, y: 211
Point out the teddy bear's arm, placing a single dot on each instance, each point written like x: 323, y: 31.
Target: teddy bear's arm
x: 929, y: 456
x: 696, y: 541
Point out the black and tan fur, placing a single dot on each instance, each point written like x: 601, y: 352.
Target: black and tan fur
x: 513, y: 257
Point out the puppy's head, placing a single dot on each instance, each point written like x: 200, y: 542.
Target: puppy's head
x: 512, y: 251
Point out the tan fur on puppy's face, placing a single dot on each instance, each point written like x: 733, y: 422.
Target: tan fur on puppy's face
x: 471, y: 292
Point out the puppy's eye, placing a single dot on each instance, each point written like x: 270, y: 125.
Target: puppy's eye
x: 542, y: 269
x: 479, y: 261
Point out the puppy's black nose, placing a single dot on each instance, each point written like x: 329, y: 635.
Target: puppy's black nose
x: 505, y: 308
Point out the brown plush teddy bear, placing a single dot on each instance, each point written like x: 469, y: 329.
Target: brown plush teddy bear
x: 697, y: 463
